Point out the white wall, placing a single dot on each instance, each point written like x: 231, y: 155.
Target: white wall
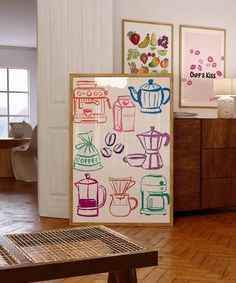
x: 20, y: 57
x: 18, y: 23
x: 212, y: 13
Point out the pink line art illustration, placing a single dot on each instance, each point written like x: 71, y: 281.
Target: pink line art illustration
x: 89, y: 194
x: 89, y: 103
x: 122, y: 203
x: 123, y: 114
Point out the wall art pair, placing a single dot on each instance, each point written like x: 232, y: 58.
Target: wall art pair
x: 148, y: 48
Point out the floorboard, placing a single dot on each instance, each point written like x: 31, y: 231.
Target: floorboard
x: 198, y: 248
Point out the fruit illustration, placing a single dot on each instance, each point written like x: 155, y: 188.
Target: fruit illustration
x: 163, y: 41
x: 133, y: 54
x: 153, y: 41
x: 162, y: 52
x: 133, y: 68
x: 163, y: 72
x: 133, y: 37
x: 145, y: 42
x: 155, y: 62
x: 164, y: 63
x: 143, y: 70
x: 143, y: 57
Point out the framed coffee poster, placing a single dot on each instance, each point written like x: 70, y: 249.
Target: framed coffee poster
x: 147, y: 47
x: 121, y: 149
x: 202, y: 59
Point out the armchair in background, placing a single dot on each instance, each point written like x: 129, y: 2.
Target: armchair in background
x: 25, y: 160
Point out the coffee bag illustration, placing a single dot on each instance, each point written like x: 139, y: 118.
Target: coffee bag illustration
x: 87, y: 157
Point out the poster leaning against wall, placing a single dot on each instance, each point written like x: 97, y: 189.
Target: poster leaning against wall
x: 121, y: 149
x: 202, y: 59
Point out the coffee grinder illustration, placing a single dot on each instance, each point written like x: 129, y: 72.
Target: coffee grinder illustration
x: 155, y: 199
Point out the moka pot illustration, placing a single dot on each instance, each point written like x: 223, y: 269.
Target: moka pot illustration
x: 152, y: 141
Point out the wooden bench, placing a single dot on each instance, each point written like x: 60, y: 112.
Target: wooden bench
x: 72, y: 252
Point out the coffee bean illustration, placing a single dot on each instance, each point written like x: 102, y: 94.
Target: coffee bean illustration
x: 110, y: 139
x: 118, y: 148
x: 106, y: 152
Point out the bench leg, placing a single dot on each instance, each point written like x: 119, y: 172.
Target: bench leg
x: 123, y: 276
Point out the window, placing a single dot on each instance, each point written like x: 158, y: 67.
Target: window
x: 14, y: 98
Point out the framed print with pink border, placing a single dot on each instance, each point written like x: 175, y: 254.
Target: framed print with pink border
x: 202, y: 59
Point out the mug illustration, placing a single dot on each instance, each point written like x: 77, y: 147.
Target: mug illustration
x: 150, y: 97
x: 87, y: 157
x: 89, y: 103
x: 155, y: 199
x: 89, y: 194
x: 122, y: 203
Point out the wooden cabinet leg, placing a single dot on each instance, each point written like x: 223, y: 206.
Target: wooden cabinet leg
x: 123, y: 276
x: 111, y: 277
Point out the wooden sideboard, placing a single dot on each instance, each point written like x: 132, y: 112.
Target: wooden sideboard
x: 204, y: 163
x: 5, y: 155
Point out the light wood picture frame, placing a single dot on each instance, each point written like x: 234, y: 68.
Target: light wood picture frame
x: 202, y: 59
x: 147, y: 47
x: 117, y: 178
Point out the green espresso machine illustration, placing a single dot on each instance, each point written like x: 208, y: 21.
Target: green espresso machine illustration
x: 155, y: 199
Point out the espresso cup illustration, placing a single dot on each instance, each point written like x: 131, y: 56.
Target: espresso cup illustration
x: 135, y: 160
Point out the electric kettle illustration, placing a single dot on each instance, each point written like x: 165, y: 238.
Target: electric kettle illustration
x: 89, y: 194
x: 150, y: 96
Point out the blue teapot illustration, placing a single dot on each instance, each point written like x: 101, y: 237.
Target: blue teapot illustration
x: 150, y: 97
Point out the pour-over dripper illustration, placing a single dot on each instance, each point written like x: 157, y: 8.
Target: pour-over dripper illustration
x: 89, y: 103
x: 155, y: 199
x: 87, y: 157
x: 150, y: 96
x: 89, y: 194
x: 151, y: 142
x: 122, y: 203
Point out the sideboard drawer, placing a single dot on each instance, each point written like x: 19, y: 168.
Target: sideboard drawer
x: 218, y: 193
x: 219, y: 163
x: 218, y: 133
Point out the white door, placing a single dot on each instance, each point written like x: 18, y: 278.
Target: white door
x: 74, y: 36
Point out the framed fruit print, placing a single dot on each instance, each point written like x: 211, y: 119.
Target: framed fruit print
x: 121, y: 149
x: 202, y: 59
x: 147, y: 47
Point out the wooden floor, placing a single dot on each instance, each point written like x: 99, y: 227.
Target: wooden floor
x: 199, y: 248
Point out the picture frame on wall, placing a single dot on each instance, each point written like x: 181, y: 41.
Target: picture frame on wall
x: 147, y: 47
x: 202, y: 59
x: 121, y: 149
